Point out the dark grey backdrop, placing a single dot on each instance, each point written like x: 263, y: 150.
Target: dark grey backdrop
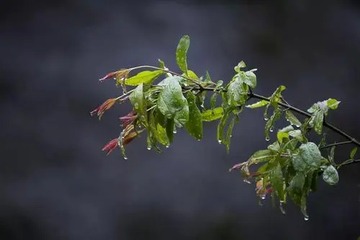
x: 57, y: 184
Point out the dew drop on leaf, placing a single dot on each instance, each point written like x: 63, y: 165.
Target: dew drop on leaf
x: 267, y: 139
x: 271, y: 129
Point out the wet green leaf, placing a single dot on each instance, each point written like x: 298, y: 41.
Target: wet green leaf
x: 330, y: 175
x: 240, y: 65
x: 258, y: 104
x: 171, y: 102
x: 213, y: 100
x: 237, y: 92
x: 229, y: 134
x: 297, y: 134
x: 145, y: 77
x: 318, y: 120
x: 221, y: 125
x: 195, y: 125
x: 292, y: 118
x: 212, y: 114
x: 269, y: 126
x: 262, y: 156
x: 170, y: 129
x: 138, y: 102
x: 295, y: 188
x: 276, y: 179
x: 250, y: 79
x: 181, y: 53
x: 310, y: 153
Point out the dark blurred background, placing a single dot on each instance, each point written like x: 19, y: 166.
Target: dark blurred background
x: 57, y: 184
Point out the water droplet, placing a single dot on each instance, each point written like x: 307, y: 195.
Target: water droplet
x: 266, y: 118
x: 306, y: 218
x: 219, y: 141
x: 297, y: 125
x: 263, y: 197
x: 282, y: 207
x: 247, y: 181
x: 125, y: 158
x: 199, y: 140
x: 174, y: 131
x: 267, y: 139
x: 167, y: 146
x: 271, y: 129
x: 202, y: 105
x: 149, y: 148
x: 231, y: 135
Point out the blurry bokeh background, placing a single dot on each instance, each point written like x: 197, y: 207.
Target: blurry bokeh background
x: 55, y: 183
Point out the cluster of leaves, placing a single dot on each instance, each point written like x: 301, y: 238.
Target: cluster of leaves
x: 288, y: 168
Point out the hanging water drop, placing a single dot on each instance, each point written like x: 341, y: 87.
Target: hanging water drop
x: 219, y: 141
x: 149, y: 148
x: 306, y: 218
x: 271, y: 129
x: 297, y: 125
x: 282, y: 207
x: 125, y: 158
x: 174, y: 131
x: 263, y: 196
x: 266, y: 118
x: 167, y: 146
x: 267, y: 139
x: 247, y: 181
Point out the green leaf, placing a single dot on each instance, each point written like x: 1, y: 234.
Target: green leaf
x: 170, y: 129
x: 284, y: 133
x: 298, y: 163
x: 181, y: 53
x: 221, y: 125
x: 258, y: 104
x: 212, y: 114
x: 261, y: 156
x: 195, y: 125
x: 330, y: 175
x: 295, y: 188
x: 269, y: 126
x: 332, y: 103
x: 292, y: 118
x: 276, y: 179
x: 353, y: 152
x: 161, y: 64
x: 146, y: 77
x: 310, y: 153
x: 237, y: 92
x: 276, y: 96
x: 191, y: 74
x: 240, y: 65
x: 171, y: 102
x: 250, y: 79
x: 229, y: 134
x: 332, y: 155
x: 318, y: 120
x: 213, y: 100
x: 297, y: 134
x: 138, y: 101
